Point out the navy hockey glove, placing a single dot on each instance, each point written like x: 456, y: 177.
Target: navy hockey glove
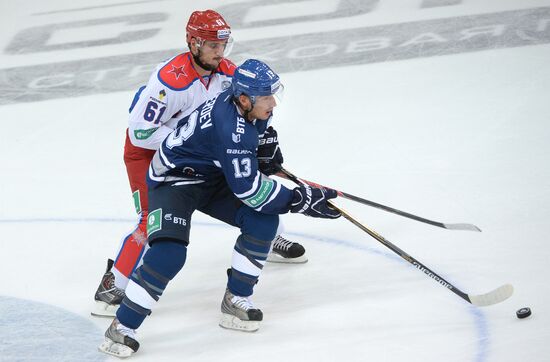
x: 269, y: 156
x: 312, y: 201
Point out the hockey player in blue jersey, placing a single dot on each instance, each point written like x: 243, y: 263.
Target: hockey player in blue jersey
x: 209, y: 163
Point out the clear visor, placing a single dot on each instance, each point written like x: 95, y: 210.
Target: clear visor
x: 276, y: 97
x: 216, y: 45
x: 279, y: 93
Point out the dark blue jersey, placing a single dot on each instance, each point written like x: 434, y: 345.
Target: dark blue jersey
x: 213, y: 142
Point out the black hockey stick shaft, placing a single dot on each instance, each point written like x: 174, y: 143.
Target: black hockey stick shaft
x: 496, y: 296
x: 460, y: 226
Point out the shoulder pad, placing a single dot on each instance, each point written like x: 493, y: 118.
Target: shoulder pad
x: 226, y: 67
x: 178, y: 73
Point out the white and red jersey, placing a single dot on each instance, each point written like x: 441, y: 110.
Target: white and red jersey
x: 174, y: 90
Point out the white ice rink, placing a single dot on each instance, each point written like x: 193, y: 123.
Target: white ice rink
x: 448, y: 119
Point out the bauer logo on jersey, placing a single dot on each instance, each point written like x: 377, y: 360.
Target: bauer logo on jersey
x: 231, y: 151
x: 154, y: 221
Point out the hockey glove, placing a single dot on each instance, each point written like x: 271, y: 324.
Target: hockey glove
x: 313, y: 202
x: 269, y: 156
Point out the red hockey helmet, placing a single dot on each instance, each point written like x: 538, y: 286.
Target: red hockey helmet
x: 207, y: 25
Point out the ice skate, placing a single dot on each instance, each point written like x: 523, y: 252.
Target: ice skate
x: 107, y: 297
x: 239, y: 313
x: 120, y: 341
x: 286, y: 251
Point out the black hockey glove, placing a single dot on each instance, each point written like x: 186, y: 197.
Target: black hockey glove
x: 312, y: 201
x: 269, y: 155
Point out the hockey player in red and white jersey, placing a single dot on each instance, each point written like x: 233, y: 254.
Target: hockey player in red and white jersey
x: 174, y: 90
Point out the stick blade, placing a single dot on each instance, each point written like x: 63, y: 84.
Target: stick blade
x: 496, y: 296
x: 469, y: 227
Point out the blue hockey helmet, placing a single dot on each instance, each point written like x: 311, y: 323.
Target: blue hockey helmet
x: 254, y: 78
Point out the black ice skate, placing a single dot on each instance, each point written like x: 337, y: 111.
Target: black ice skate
x: 239, y: 313
x: 107, y: 297
x: 286, y: 251
x: 120, y: 341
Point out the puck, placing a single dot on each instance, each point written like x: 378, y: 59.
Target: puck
x: 523, y: 312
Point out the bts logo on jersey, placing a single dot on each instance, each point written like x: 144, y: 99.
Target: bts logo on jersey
x: 176, y: 219
x: 240, y: 125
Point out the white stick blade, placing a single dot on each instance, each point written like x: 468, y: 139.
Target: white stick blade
x: 469, y: 227
x: 496, y: 296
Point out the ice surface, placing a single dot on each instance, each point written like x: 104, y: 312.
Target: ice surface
x: 451, y: 132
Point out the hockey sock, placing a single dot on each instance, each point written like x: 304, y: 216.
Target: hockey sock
x: 130, y: 252
x: 161, y: 263
x: 249, y: 256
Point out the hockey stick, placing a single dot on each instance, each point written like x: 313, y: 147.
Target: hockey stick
x: 460, y: 226
x: 498, y: 295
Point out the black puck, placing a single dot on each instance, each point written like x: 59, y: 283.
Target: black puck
x: 523, y: 312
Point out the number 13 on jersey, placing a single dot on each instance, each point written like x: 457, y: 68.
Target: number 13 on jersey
x: 246, y: 165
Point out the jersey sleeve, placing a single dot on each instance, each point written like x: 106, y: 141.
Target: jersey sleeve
x: 155, y: 106
x: 237, y: 157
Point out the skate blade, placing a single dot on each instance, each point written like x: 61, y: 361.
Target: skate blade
x: 102, y: 309
x: 115, y: 349
x: 276, y: 258
x: 229, y: 321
